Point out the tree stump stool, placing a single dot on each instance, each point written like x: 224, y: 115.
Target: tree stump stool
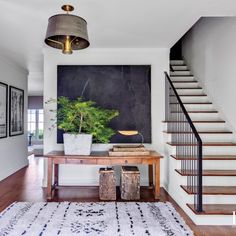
x: 107, y: 184
x: 130, y: 183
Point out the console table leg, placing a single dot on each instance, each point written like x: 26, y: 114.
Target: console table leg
x: 150, y: 176
x: 157, y: 179
x: 56, y: 170
x: 49, y: 177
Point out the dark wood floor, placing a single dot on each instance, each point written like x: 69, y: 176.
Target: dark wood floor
x: 25, y: 185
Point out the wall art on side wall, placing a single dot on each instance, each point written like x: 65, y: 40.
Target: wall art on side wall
x: 3, y: 109
x: 16, y: 111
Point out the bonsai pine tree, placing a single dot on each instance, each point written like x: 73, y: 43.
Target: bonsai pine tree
x: 79, y: 116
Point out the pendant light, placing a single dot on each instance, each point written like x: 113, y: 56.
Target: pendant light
x: 67, y: 32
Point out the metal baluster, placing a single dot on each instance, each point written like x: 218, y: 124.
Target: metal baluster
x: 199, y: 176
x: 189, y: 143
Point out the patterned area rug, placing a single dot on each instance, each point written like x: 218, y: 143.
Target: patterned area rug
x: 90, y: 219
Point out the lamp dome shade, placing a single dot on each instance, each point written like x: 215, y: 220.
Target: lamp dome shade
x: 64, y: 26
x: 128, y: 132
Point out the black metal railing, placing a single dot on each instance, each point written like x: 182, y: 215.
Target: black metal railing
x: 187, y: 141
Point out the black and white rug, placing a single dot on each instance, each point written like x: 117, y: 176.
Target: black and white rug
x: 90, y: 219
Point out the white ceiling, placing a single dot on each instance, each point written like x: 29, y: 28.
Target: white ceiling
x: 111, y: 24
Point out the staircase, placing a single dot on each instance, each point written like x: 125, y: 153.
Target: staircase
x: 218, y: 153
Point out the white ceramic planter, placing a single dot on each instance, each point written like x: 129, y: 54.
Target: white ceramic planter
x: 77, y: 144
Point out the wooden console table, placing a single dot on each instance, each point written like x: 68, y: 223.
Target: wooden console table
x: 56, y: 158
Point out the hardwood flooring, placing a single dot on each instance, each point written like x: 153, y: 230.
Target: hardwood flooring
x: 25, y: 185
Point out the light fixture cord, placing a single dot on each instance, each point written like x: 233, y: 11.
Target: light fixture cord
x: 142, y: 138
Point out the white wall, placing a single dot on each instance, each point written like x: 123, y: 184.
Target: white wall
x: 210, y: 51
x: 157, y: 58
x: 13, y: 150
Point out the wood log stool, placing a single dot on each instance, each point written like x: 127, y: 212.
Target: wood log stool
x: 130, y: 183
x: 107, y: 184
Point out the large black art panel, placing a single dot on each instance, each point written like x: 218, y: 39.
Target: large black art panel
x: 126, y: 88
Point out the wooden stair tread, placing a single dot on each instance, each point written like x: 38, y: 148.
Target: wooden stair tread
x: 178, y: 60
x: 183, y: 70
x: 215, y: 209
x: 196, y: 121
x: 182, y: 63
x: 206, y: 144
x: 185, y: 81
x: 209, y: 111
x: 189, y: 88
x: 209, y: 172
x: 180, y: 75
x: 200, y: 132
x: 191, y: 95
x: 213, y: 190
x: 193, y: 103
x: 208, y: 157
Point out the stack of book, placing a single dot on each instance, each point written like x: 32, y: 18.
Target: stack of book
x: 128, y: 150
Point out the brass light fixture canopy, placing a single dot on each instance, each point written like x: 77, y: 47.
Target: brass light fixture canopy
x: 67, y: 8
x: 67, y: 32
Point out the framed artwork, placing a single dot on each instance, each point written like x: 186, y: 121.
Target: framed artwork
x: 3, y: 109
x: 126, y: 88
x: 16, y: 111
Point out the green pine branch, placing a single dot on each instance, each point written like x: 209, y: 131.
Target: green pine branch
x: 79, y: 116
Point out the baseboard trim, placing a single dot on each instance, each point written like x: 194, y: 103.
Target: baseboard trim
x: 15, y: 172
